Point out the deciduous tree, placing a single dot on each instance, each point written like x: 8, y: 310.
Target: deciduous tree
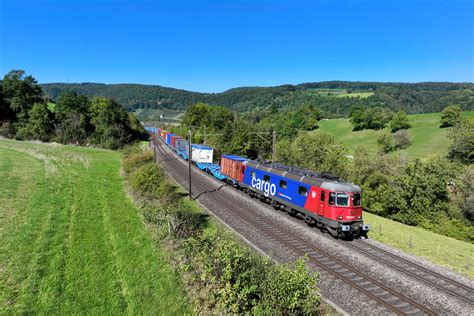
x: 450, y: 116
x: 21, y: 92
x: 399, y: 121
x: 462, y: 136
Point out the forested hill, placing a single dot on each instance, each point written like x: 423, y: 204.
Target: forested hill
x: 333, y: 97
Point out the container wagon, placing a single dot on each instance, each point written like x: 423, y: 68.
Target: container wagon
x: 201, y: 153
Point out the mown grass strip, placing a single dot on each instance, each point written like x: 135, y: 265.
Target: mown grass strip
x: 74, y: 243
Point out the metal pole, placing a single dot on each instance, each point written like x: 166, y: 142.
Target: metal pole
x: 154, y: 145
x: 205, y: 128
x: 190, y: 152
x: 274, y: 146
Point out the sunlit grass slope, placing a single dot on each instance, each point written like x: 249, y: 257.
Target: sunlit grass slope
x: 71, y: 240
x: 425, y: 135
x: 452, y: 253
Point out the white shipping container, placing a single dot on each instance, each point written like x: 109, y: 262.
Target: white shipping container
x: 202, y: 154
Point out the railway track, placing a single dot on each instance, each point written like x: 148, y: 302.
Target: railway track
x: 452, y: 287
x: 384, y: 295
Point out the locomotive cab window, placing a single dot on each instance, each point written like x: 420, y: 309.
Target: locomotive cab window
x: 302, y: 191
x: 342, y: 199
x: 283, y: 184
x: 323, y: 196
x: 332, y: 198
x: 266, y: 178
x: 356, y: 199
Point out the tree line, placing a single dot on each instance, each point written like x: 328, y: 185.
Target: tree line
x: 410, y: 97
x: 25, y: 113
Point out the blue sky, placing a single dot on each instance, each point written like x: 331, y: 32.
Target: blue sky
x: 215, y: 45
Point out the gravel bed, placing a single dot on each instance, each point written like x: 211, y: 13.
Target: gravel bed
x: 344, y: 296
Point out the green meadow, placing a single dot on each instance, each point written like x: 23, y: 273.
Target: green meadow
x: 72, y: 242
x: 426, y: 136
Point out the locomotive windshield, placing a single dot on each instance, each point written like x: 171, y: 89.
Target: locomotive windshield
x: 342, y: 199
x: 356, y: 199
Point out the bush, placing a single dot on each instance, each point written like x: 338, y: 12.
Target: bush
x: 401, y: 139
x: 235, y: 281
x: 290, y: 288
x: 384, y: 142
x: 175, y: 219
x: 147, y: 180
x: 133, y: 160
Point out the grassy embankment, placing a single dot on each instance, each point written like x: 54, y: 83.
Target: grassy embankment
x: 452, y: 253
x: 71, y: 240
x: 425, y: 135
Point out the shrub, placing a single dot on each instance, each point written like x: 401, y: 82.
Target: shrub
x: 235, y: 281
x: 175, y: 219
x: 147, y: 180
x: 134, y: 160
x: 401, y: 139
x: 290, y: 288
x: 384, y: 142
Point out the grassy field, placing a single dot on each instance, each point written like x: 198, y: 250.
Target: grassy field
x: 425, y: 135
x: 361, y: 95
x: 168, y: 116
x: 339, y: 93
x: 71, y: 240
x: 452, y: 253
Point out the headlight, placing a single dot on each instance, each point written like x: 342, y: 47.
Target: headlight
x: 339, y: 217
x: 359, y: 217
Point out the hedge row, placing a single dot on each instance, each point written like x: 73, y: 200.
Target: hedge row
x: 219, y: 273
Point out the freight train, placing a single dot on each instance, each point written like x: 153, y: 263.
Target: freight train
x: 322, y: 199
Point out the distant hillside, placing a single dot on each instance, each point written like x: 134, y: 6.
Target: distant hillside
x: 335, y: 98
x: 426, y: 136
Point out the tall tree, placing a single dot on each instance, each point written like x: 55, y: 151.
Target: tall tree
x: 21, y: 92
x: 40, y: 124
x: 6, y: 113
x: 73, y: 118
x: 399, y: 121
x: 112, y: 126
x: 450, y: 116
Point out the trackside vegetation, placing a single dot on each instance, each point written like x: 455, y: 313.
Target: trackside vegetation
x: 72, y: 242
x: 219, y: 273
x: 419, y: 175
